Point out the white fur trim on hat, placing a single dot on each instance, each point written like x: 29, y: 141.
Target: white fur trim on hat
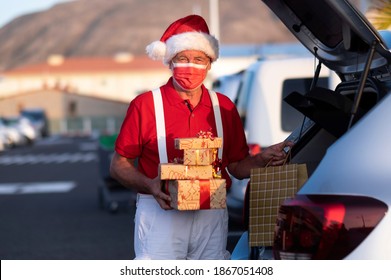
x: 199, y: 41
x: 156, y: 50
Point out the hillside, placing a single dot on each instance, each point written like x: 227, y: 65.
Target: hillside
x: 104, y: 28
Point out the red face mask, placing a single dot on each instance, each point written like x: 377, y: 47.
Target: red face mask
x: 189, y: 76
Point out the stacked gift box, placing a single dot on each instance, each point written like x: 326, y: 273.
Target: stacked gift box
x: 195, y: 184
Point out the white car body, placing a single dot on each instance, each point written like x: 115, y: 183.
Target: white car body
x: 352, y: 167
x: 12, y: 135
x: 26, y: 128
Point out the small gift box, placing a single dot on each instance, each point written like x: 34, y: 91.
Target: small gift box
x: 198, y: 143
x: 172, y: 171
x: 199, y: 156
x: 197, y: 194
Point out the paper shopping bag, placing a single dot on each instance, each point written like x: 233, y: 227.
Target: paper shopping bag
x: 269, y: 187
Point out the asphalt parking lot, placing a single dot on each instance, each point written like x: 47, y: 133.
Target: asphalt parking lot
x: 50, y: 209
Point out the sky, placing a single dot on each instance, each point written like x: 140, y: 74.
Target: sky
x: 10, y: 9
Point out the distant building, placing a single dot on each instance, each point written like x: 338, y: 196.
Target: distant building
x: 80, y: 88
x: 118, y: 78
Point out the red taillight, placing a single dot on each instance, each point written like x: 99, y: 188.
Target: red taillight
x: 324, y: 226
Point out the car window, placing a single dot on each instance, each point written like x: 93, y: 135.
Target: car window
x: 244, y: 92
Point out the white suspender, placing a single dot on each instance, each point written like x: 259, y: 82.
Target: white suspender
x: 219, y: 123
x: 161, y: 128
x: 160, y: 125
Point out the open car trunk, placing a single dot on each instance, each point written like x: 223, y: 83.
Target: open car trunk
x: 341, y: 39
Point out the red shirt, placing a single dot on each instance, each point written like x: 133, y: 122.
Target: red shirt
x: 138, y: 137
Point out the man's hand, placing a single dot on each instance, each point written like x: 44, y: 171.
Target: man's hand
x: 274, y: 155
x: 162, y: 198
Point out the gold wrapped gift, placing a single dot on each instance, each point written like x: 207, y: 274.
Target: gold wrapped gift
x: 172, y: 171
x: 197, y: 194
x: 199, y: 156
x: 198, y: 143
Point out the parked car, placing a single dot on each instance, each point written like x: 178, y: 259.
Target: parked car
x: 38, y: 118
x: 342, y: 211
x: 3, y: 140
x: 11, y: 135
x: 24, y: 127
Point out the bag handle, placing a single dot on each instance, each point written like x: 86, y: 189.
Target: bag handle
x: 288, y: 155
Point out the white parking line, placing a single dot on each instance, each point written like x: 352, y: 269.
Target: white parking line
x: 36, y: 187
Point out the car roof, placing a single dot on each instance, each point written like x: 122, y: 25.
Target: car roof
x: 335, y: 32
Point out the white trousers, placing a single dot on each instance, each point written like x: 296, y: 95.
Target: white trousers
x: 170, y: 234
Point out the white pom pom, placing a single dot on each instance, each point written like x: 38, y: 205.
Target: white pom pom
x: 156, y: 50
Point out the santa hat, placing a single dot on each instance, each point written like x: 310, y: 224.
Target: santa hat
x: 188, y: 33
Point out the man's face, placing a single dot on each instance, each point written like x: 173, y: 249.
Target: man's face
x: 192, y: 56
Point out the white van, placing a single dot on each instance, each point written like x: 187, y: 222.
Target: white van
x: 267, y: 118
x: 229, y: 85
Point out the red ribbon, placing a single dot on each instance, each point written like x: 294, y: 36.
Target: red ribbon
x: 204, y: 194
